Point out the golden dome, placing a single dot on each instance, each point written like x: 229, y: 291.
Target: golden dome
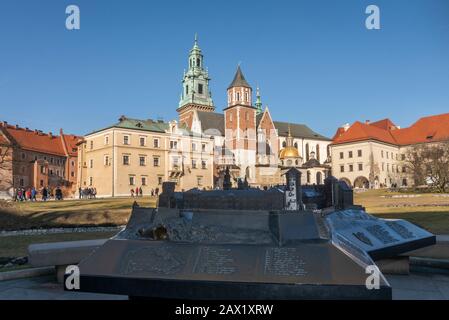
x: 289, y: 152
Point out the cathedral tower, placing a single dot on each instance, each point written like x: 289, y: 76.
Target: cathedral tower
x: 240, y: 125
x: 195, y: 94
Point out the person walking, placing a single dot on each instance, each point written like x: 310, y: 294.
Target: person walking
x: 80, y: 193
x: 33, y: 194
x: 132, y: 193
x: 44, y: 194
x: 140, y: 192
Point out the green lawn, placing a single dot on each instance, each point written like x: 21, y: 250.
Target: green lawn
x: 17, y: 246
x: 428, y: 210
x: 70, y: 213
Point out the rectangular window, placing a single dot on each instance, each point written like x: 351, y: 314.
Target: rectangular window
x: 173, y: 145
x: 383, y: 166
x: 359, y: 153
x: 350, y: 154
x: 106, y: 140
x: 144, y: 181
x: 402, y: 157
x: 203, y: 147
x: 91, y: 145
x: 382, y: 153
x: 159, y: 180
x: 106, y: 160
x: 91, y: 181
x: 203, y: 164
x: 193, y: 164
x: 342, y: 168
x: 351, y: 168
x: 142, y: 141
x: 156, y: 143
x: 91, y: 163
x: 126, y: 160
x: 200, y: 88
x: 404, y: 169
x: 155, y: 161
x: 341, y: 156
x: 142, y: 161
x: 126, y: 140
x: 360, y: 167
x: 199, y: 181
x: 193, y: 147
x: 131, y: 180
x: 388, y: 167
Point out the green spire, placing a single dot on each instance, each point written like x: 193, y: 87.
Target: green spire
x: 196, y: 80
x: 258, y: 102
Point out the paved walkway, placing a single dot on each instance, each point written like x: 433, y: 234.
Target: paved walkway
x: 413, y: 287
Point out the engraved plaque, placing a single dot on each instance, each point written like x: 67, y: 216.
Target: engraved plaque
x: 213, y: 260
x: 380, y: 233
x: 156, y: 260
x: 284, y: 262
x: 400, y: 230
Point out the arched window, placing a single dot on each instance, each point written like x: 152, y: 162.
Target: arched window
x: 296, y: 145
x: 187, y: 89
x: 246, y: 96
x: 318, y: 152
x: 307, y: 152
x: 198, y: 62
x: 238, y: 96
x: 318, y: 178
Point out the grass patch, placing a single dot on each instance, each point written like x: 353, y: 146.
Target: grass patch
x: 70, y: 213
x: 17, y: 246
x: 430, y: 211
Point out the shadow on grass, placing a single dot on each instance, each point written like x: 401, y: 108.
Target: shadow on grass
x: 435, y: 222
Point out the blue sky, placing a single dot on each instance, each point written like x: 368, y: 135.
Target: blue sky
x: 314, y: 61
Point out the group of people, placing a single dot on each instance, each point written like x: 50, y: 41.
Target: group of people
x: 138, y: 192
x: 87, y: 193
x: 30, y: 194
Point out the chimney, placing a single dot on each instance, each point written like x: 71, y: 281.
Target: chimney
x: 17, y: 126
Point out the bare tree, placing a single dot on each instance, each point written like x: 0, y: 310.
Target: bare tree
x: 6, y: 181
x: 429, y: 164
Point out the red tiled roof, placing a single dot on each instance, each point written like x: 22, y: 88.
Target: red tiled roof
x: 427, y: 129
x: 363, y: 131
x: 385, y: 124
x: 35, y: 140
x: 70, y: 142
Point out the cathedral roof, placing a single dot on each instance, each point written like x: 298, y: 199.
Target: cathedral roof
x: 239, y: 80
x: 298, y: 131
x: 312, y: 163
x: 211, y: 121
